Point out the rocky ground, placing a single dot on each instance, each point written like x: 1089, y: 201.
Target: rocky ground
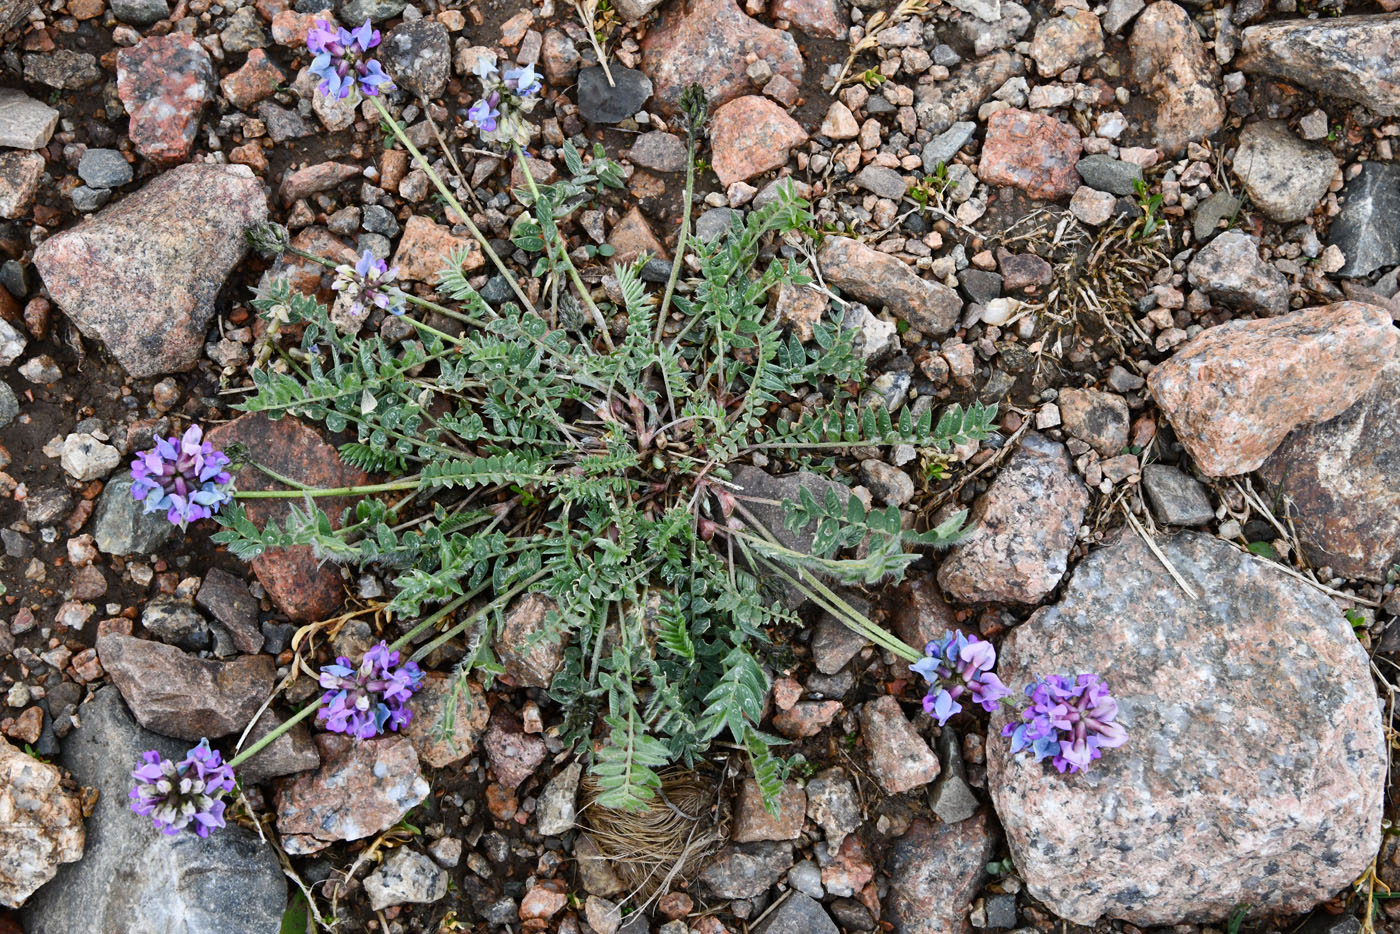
x: 1160, y: 237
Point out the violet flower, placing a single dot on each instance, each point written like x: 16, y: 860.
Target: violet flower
x: 368, y: 283
x: 485, y: 114
x: 342, y: 59
x: 505, y: 99
x: 184, y: 476
x: 1069, y: 722
x: 525, y: 82
x: 955, y: 666
x: 184, y: 795
x: 366, y: 701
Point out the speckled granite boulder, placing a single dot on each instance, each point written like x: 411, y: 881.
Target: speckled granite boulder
x: 1255, y: 761
x: 1234, y: 391
x: 1023, y: 529
x: 1351, y: 57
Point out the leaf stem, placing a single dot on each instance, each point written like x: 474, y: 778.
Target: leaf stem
x: 410, y: 484
x: 274, y: 734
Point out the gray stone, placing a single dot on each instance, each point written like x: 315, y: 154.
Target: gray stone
x: 283, y: 124
x: 419, y: 56
x: 244, y: 32
x: 405, y: 877
x: 756, y: 483
x: 747, y: 870
x: 834, y: 644
x: 1230, y: 270
x: 175, y: 622
x: 952, y: 799
x: 658, y: 151
x: 122, y: 527
x: 1285, y: 176
x: 1120, y: 14
x: 715, y: 222
x: 806, y: 877
x: 62, y: 69
x: 981, y: 285
x: 288, y: 754
x: 355, y: 12
x: 86, y: 200
x: 24, y: 122
x: 140, y: 12
x: 1105, y: 173
x: 1255, y: 754
x: 832, y: 805
x: 1176, y: 499
x: 554, y: 814
x: 14, y: 12
x: 104, y: 168
x: 132, y: 877
x: 943, y: 147
x: 12, y: 343
x: 9, y: 405
x: 1221, y: 205
x: 228, y: 599
x: 935, y: 871
x: 1351, y: 57
x: 599, y: 102
x: 1001, y: 911
x: 1365, y: 230
x: 800, y: 914
x: 882, y: 181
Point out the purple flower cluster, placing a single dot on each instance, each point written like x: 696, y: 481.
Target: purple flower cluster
x: 958, y: 665
x: 184, y: 795
x: 367, y: 700
x: 504, y: 97
x: 342, y: 60
x: 368, y: 283
x: 184, y: 476
x: 1068, y: 721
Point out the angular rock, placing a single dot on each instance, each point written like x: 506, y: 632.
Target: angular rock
x: 1175, y: 498
x: 164, y: 83
x: 747, y: 870
x: 173, y: 621
x: 122, y: 526
x: 1351, y: 57
x: 1169, y: 62
x: 405, y: 877
x: 14, y: 12
x: 132, y: 877
x: 763, y: 486
x: 1340, y: 481
x: 62, y: 69
x: 104, y: 168
x: 20, y: 173
x: 531, y: 657
x: 799, y: 914
x: 832, y: 804
x: 360, y: 789
x: 257, y: 80
x: 1105, y: 173
x: 1066, y: 40
x: 228, y: 598
x: 419, y: 56
x: 1098, y: 418
x: 302, y: 586
x: 935, y: 871
x: 1033, y: 152
x: 1234, y: 391
x: 969, y: 86
x: 24, y: 122
x: 140, y: 12
x: 41, y: 824
x: 1283, y: 175
x: 871, y: 276
x: 834, y: 644
x: 1022, y: 529
x: 430, y: 706
x: 898, y: 756
x: 882, y: 181
x: 753, y: 823
x: 426, y: 248
x: 1092, y: 207
x: 1365, y: 229
x: 601, y: 102
x: 1255, y: 754
x: 181, y: 695
x: 712, y: 44
x: 749, y: 136
x: 1230, y: 270
x: 514, y: 754
x: 143, y: 274
x: 556, y: 810
x: 943, y: 147
x: 824, y: 19
x: 292, y: 752
x: 658, y: 151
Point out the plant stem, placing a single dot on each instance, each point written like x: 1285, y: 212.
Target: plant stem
x: 275, y: 733
x: 680, y: 238
x: 502, y: 600
x: 328, y: 491
x: 568, y: 261
x: 450, y: 608
x: 452, y: 202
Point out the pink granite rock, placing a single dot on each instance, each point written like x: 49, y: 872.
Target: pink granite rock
x: 1033, y: 152
x: 935, y: 871
x: 1255, y: 762
x: 927, y: 305
x: 164, y: 83
x: 749, y: 136
x: 41, y: 824
x: 1022, y: 529
x: 1169, y: 62
x: 899, y: 757
x: 1234, y: 391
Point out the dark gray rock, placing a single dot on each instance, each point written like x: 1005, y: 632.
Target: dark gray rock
x: 714, y: 223
x: 228, y: 598
x: 800, y: 914
x: 943, y: 147
x: 747, y: 870
x: 1230, y: 270
x: 598, y: 102
x: 122, y: 527
x: 62, y: 69
x: 86, y: 200
x: 1001, y: 911
x: 9, y: 405
x: 132, y: 877
x: 104, y: 168
x: 1105, y: 173
x: 952, y: 798
x: 288, y: 754
x: 658, y: 151
x: 981, y: 285
x: 140, y: 12
x: 175, y: 622
x: 882, y: 181
x: 756, y: 483
x: 419, y: 56
x: 283, y: 124
x: 1176, y: 498
x: 1365, y: 230
x: 834, y: 644
x: 1220, y: 206
x: 935, y: 871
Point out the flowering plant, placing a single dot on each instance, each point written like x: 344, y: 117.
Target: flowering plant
x: 955, y: 666
x: 342, y: 61
x: 366, y: 700
x: 184, y: 476
x: 1069, y: 721
x: 184, y: 795
x: 505, y: 99
x: 369, y: 283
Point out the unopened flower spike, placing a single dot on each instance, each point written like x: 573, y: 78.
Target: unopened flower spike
x: 505, y: 98
x: 1069, y: 721
x: 342, y: 60
x: 185, y: 476
x: 184, y: 795
x: 369, y: 699
x: 958, y: 666
x: 369, y: 283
